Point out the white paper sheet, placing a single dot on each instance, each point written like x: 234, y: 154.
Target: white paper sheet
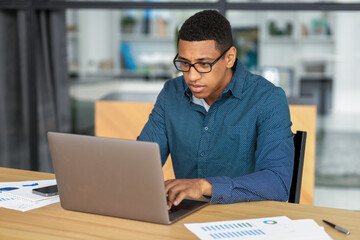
x: 25, y: 190
x: 22, y: 199
x: 273, y: 228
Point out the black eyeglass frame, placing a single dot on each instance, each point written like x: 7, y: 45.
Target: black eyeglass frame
x: 193, y: 65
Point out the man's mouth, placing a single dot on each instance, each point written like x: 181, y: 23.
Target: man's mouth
x: 196, y: 88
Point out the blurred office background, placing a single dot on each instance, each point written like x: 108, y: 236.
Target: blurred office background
x: 59, y: 57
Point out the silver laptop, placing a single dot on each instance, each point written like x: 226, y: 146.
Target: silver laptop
x: 113, y: 177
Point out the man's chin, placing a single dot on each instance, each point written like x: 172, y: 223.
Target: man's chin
x: 199, y: 95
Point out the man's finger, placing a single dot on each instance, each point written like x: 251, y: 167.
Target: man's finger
x: 169, y: 184
x: 169, y: 204
x: 180, y: 197
x: 174, y: 190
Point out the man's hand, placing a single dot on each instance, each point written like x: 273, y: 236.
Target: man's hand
x: 178, y: 189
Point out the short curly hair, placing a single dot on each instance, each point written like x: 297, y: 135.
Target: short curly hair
x: 207, y: 25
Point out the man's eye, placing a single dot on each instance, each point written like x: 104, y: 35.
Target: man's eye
x: 203, y: 65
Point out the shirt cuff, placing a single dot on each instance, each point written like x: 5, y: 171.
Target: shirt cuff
x: 221, y: 190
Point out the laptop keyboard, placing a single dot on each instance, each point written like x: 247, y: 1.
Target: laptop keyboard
x: 173, y: 209
x: 184, y: 208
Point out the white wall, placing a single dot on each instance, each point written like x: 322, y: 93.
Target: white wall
x: 96, y: 44
x: 346, y: 89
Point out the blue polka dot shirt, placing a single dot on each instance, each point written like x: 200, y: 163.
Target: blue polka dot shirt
x: 242, y: 145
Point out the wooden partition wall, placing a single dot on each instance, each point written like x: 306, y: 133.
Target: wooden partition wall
x: 126, y: 119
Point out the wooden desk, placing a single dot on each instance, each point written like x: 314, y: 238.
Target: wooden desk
x: 52, y: 222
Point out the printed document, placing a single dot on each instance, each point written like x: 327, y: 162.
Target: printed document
x: 272, y: 228
x: 19, y: 196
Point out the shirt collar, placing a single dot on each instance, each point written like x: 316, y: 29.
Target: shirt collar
x: 237, y: 81
x: 236, y: 84
x: 187, y: 90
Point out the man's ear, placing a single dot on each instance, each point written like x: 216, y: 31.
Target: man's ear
x: 230, y: 57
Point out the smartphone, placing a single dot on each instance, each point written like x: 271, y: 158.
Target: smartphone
x: 46, y: 191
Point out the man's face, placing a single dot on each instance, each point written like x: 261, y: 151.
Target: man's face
x: 208, y: 86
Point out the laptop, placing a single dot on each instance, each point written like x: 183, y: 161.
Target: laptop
x: 113, y: 177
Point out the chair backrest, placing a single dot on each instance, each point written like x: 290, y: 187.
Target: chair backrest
x: 295, y: 189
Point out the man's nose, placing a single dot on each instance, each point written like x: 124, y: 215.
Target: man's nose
x: 193, y: 74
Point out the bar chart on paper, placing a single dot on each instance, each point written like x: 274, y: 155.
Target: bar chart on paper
x: 3, y: 199
x: 231, y: 230
x: 278, y: 228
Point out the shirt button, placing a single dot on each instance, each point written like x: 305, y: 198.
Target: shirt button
x: 202, y: 154
x: 206, y: 128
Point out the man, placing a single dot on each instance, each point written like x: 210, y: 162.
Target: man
x: 228, y: 130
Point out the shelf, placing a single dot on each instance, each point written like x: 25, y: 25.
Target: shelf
x: 278, y: 40
x: 317, y: 57
x: 316, y: 39
x: 321, y: 39
x: 138, y: 37
x: 305, y: 76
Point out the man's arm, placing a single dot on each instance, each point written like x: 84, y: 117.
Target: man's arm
x: 155, y: 130
x: 274, y: 158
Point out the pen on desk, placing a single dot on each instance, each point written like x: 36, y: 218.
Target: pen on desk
x: 7, y: 189
x: 343, y: 230
x: 30, y: 185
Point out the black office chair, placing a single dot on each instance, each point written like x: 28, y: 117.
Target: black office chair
x: 299, y: 143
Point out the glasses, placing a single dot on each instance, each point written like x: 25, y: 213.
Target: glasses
x: 201, y: 67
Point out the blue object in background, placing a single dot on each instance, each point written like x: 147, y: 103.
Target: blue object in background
x: 127, y: 58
